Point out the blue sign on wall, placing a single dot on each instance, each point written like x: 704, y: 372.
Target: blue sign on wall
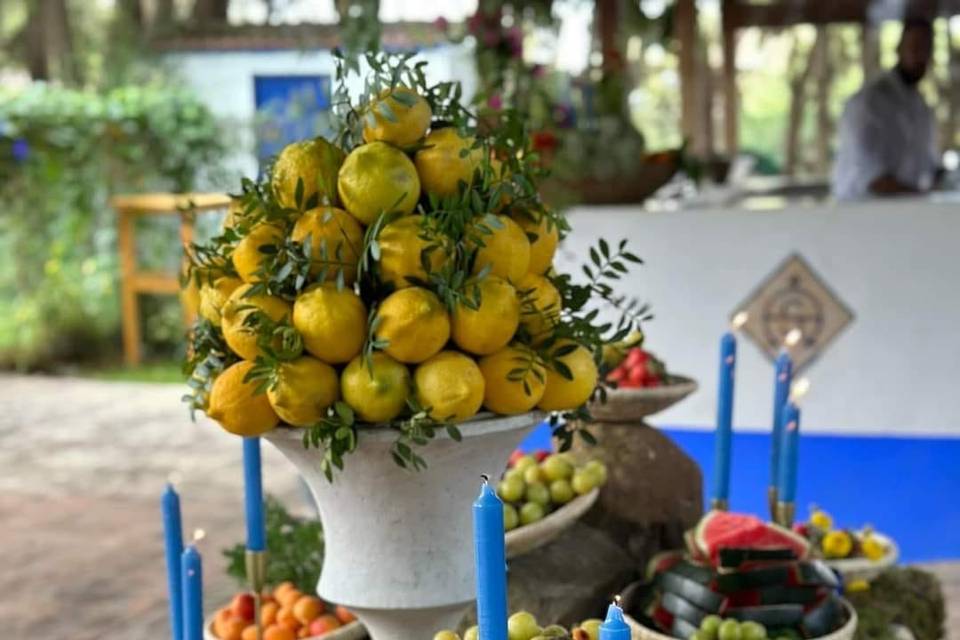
x: 289, y: 108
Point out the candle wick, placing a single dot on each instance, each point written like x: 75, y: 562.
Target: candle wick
x: 486, y: 478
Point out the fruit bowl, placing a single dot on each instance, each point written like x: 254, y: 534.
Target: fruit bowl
x: 351, y: 631
x: 628, y: 404
x: 864, y: 568
x: 846, y: 632
x: 532, y: 536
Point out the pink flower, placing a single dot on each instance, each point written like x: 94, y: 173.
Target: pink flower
x: 495, y: 101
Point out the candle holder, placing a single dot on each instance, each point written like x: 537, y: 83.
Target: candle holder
x: 772, y: 500
x: 720, y: 504
x: 785, y: 513
x: 256, y: 564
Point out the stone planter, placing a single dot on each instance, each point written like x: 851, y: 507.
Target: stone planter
x: 399, y: 544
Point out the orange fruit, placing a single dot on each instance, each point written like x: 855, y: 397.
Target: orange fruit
x: 289, y: 598
x: 280, y: 588
x: 250, y: 633
x: 343, y: 614
x: 277, y: 632
x: 307, y: 608
x: 268, y: 613
x: 285, y: 618
x: 324, y: 624
x: 233, y: 629
x: 220, y: 621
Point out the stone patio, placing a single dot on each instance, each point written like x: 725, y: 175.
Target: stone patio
x: 83, y: 465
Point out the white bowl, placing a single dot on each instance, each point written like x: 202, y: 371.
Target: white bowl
x: 532, y: 536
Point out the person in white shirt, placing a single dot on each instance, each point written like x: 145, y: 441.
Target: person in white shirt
x: 887, y: 139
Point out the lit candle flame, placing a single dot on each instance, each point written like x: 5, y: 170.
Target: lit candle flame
x: 198, y: 535
x: 799, y: 389
x: 792, y: 338
x: 616, y: 599
x: 739, y: 320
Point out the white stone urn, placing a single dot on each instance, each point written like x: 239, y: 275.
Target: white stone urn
x: 399, y: 543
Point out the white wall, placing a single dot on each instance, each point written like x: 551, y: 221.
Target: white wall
x: 223, y: 80
x: 895, y: 369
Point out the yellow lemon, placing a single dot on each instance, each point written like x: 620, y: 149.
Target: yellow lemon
x: 505, y: 249
x: 544, y: 246
x: 247, y: 256
x: 514, y: 380
x: 873, y: 548
x: 336, y: 240
x: 214, y: 295
x: 241, y: 337
x: 491, y: 326
x: 333, y: 322
x: 401, y: 117
x: 837, y: 544
x: 305, y: 388
x: 539, y: 306
x: 378, y: 178
x: 446, y: 161
x: 451, y: 385
x: 855, y: 586
x: 316, y: 163
x: 562, y: 394
x: 821, y: 520
x: 236, y: 407
x: 377, y: 393
x: 414, y: 323
x: 402, y: 243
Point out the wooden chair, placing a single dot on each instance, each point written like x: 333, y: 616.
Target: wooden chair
x: 133, y: 281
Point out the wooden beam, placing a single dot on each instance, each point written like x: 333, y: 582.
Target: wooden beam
x: 731, y: 100
x: 685, y: 30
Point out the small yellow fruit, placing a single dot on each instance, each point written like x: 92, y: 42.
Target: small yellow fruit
x: 490, y: 327
x: 305, y: 389
x: 451, y: 385
x: 448, y: 160
x: 316, y: 162
x: 873, y: 548
x: 514, y: 378
x: 855, y: 586
x: 235, y: 406
x: 821, y: 520
x: 401, y: 244
x: 247, y: 257
x: 837, y: 544
x: 378, y: 393
x: 539, y: 306
x: 214, y: 295
x: 544, y: 246
x: 241, y: 337
x: 505, y: 249
x: 336, y: 240
x: 446, y: 634
x: 414, y: 323
x: 411, y: 117
x: 562, y: 394
x: 333, y: 322
x: 377, y: 178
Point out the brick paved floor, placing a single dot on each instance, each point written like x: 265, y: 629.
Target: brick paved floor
x: 82, y: 464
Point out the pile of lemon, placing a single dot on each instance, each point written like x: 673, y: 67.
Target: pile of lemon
x: 452, y: 361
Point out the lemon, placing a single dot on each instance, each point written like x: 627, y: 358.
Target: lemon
x: 821, y: 520
x: 514, y: 380
x: 505, y: 249
x: 242, y: 338
x: 837, y: 544
x: 873, y: 548
x: 377, y: 393
x: 316, y: 162
x: 544, y: 246
x: 378, y: 178
x: 333, y: 322
x: 539, y: 306
x: 410, y: 117
x: 304, y: 389
x: 491, y: 326
x: 247, y: 256
x: 562, y: 394
x: 451, y: 385
x: 448, y: 160
x: 235, y: 406
x: 402, y: 243
x: 214, y: 295
x: 414, y: 323
x: 336, y: 240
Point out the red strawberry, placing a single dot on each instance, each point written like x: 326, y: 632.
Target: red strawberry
x: 617, y: 375
x: 634, y: 357
x: 541, y: 454
x: 637, y: 375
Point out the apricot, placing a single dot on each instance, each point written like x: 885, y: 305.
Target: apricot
x: 324, y: 624
x: 276, y: 632
x: 249, y: 633
x: 233, y: 629
x: 289, y: 597
x: 268, y: 613
x: 307, y: 608
x: 344, y: 615
x: 285, y: 618
x: 304, y: 633
x: 220, y: 620
x: 242, y: 606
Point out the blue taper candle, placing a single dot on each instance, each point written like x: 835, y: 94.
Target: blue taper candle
x: 173, y: 547
x: 789, y: 454
x: 614, y: 627
x: 724, y: 431
x: 491, y: 564
x: 253, y: 495
x: 783, y: 377
x: 191, y: 568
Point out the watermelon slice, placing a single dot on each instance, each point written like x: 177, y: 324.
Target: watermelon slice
x: 663, y: 561
x: 724, y: 530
